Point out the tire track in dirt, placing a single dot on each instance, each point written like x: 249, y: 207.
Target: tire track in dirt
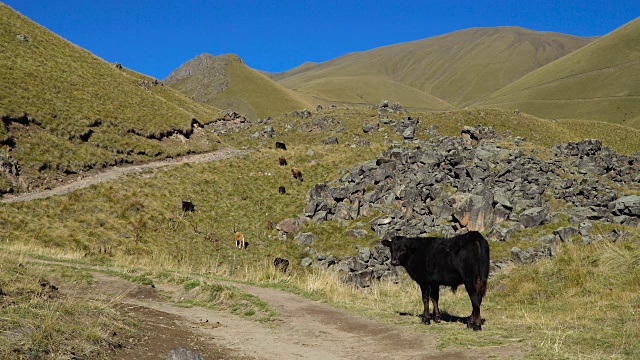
x: 119, y: 171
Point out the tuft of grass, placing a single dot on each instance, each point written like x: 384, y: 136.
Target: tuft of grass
x: 191, y: 284
x: 229, y: 298
x: 39, y: 321
x: 582, y: 302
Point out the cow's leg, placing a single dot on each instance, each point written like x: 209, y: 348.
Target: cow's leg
x: 435, y: 295
x: 426, y: 318
x: 474, y: 322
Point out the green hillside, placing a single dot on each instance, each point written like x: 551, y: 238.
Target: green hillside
x: 226, y: 82
x: 458, y: 68
x: 66, y: 111
x: 600, y: 81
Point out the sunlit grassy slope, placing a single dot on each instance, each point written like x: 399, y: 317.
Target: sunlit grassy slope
x: 600, y: 81
x: 226, y: 82
x: 141, y: 217
x: 457, y: 68
x: 66, y: 110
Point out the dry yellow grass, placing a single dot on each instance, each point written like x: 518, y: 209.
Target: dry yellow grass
x: 37, y: 321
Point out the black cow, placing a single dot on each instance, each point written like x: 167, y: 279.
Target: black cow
x: 187, y: 206
x: 431, y: 262
x: 281, y: 264
x: 281, y: 145
x: 282, y: 190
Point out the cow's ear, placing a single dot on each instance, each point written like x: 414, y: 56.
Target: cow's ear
x: 386, y: 243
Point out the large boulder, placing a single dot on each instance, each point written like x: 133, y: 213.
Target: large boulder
x: 627, y: 205
x: 472, y: 212
x: 289, y: 225
x: 534, y: 217
x: 565, y: 233
x: 305, y: 238
x: 330, y: 140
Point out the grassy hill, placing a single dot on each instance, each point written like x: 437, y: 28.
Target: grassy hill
x: 136, y: 222
x: 600, y: 81
x: 66, y: 111
x: 226, y: 82
x: 457, y: 68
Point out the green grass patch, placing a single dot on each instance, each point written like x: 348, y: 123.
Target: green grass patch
x: 230, y: 298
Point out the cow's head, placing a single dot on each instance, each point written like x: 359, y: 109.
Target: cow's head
x: 399, y: 247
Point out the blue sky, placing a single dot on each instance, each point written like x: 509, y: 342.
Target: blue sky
x: 155, y: 37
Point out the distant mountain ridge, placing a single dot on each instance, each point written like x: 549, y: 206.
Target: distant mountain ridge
x: 600, y: 81
x: 459, y: 68
x: 225, y: 81
x: 211, y: 70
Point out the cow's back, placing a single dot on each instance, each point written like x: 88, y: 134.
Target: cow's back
x: 448, y: 261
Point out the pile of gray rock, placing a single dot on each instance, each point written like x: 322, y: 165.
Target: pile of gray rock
x: 361, y: 270
x: 447, y: 185
x: 227, y: 120
x: 384, y: 108
x: 444, y: 184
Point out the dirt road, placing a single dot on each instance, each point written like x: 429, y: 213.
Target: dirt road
x: 304, y: 329
x: 119, y: 171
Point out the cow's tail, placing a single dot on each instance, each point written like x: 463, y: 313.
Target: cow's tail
x: 484, y: 266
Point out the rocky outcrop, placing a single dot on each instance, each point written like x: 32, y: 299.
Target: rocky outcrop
x: 10, y: 179
x: 590, y: 157
x: 206, y: 75
x: 229, y: 119
x: 384, y: 108
x: 626, y: 206
x: 447, y: 185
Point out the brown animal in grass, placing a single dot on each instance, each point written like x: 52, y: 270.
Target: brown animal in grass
x: 297, y: 174
x: 270, y: 225
x: 239, y: 237
x: 282, y: 161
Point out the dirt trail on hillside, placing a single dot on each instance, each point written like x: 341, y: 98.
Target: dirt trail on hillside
x: 303, y: 329
x: 119, y: 171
